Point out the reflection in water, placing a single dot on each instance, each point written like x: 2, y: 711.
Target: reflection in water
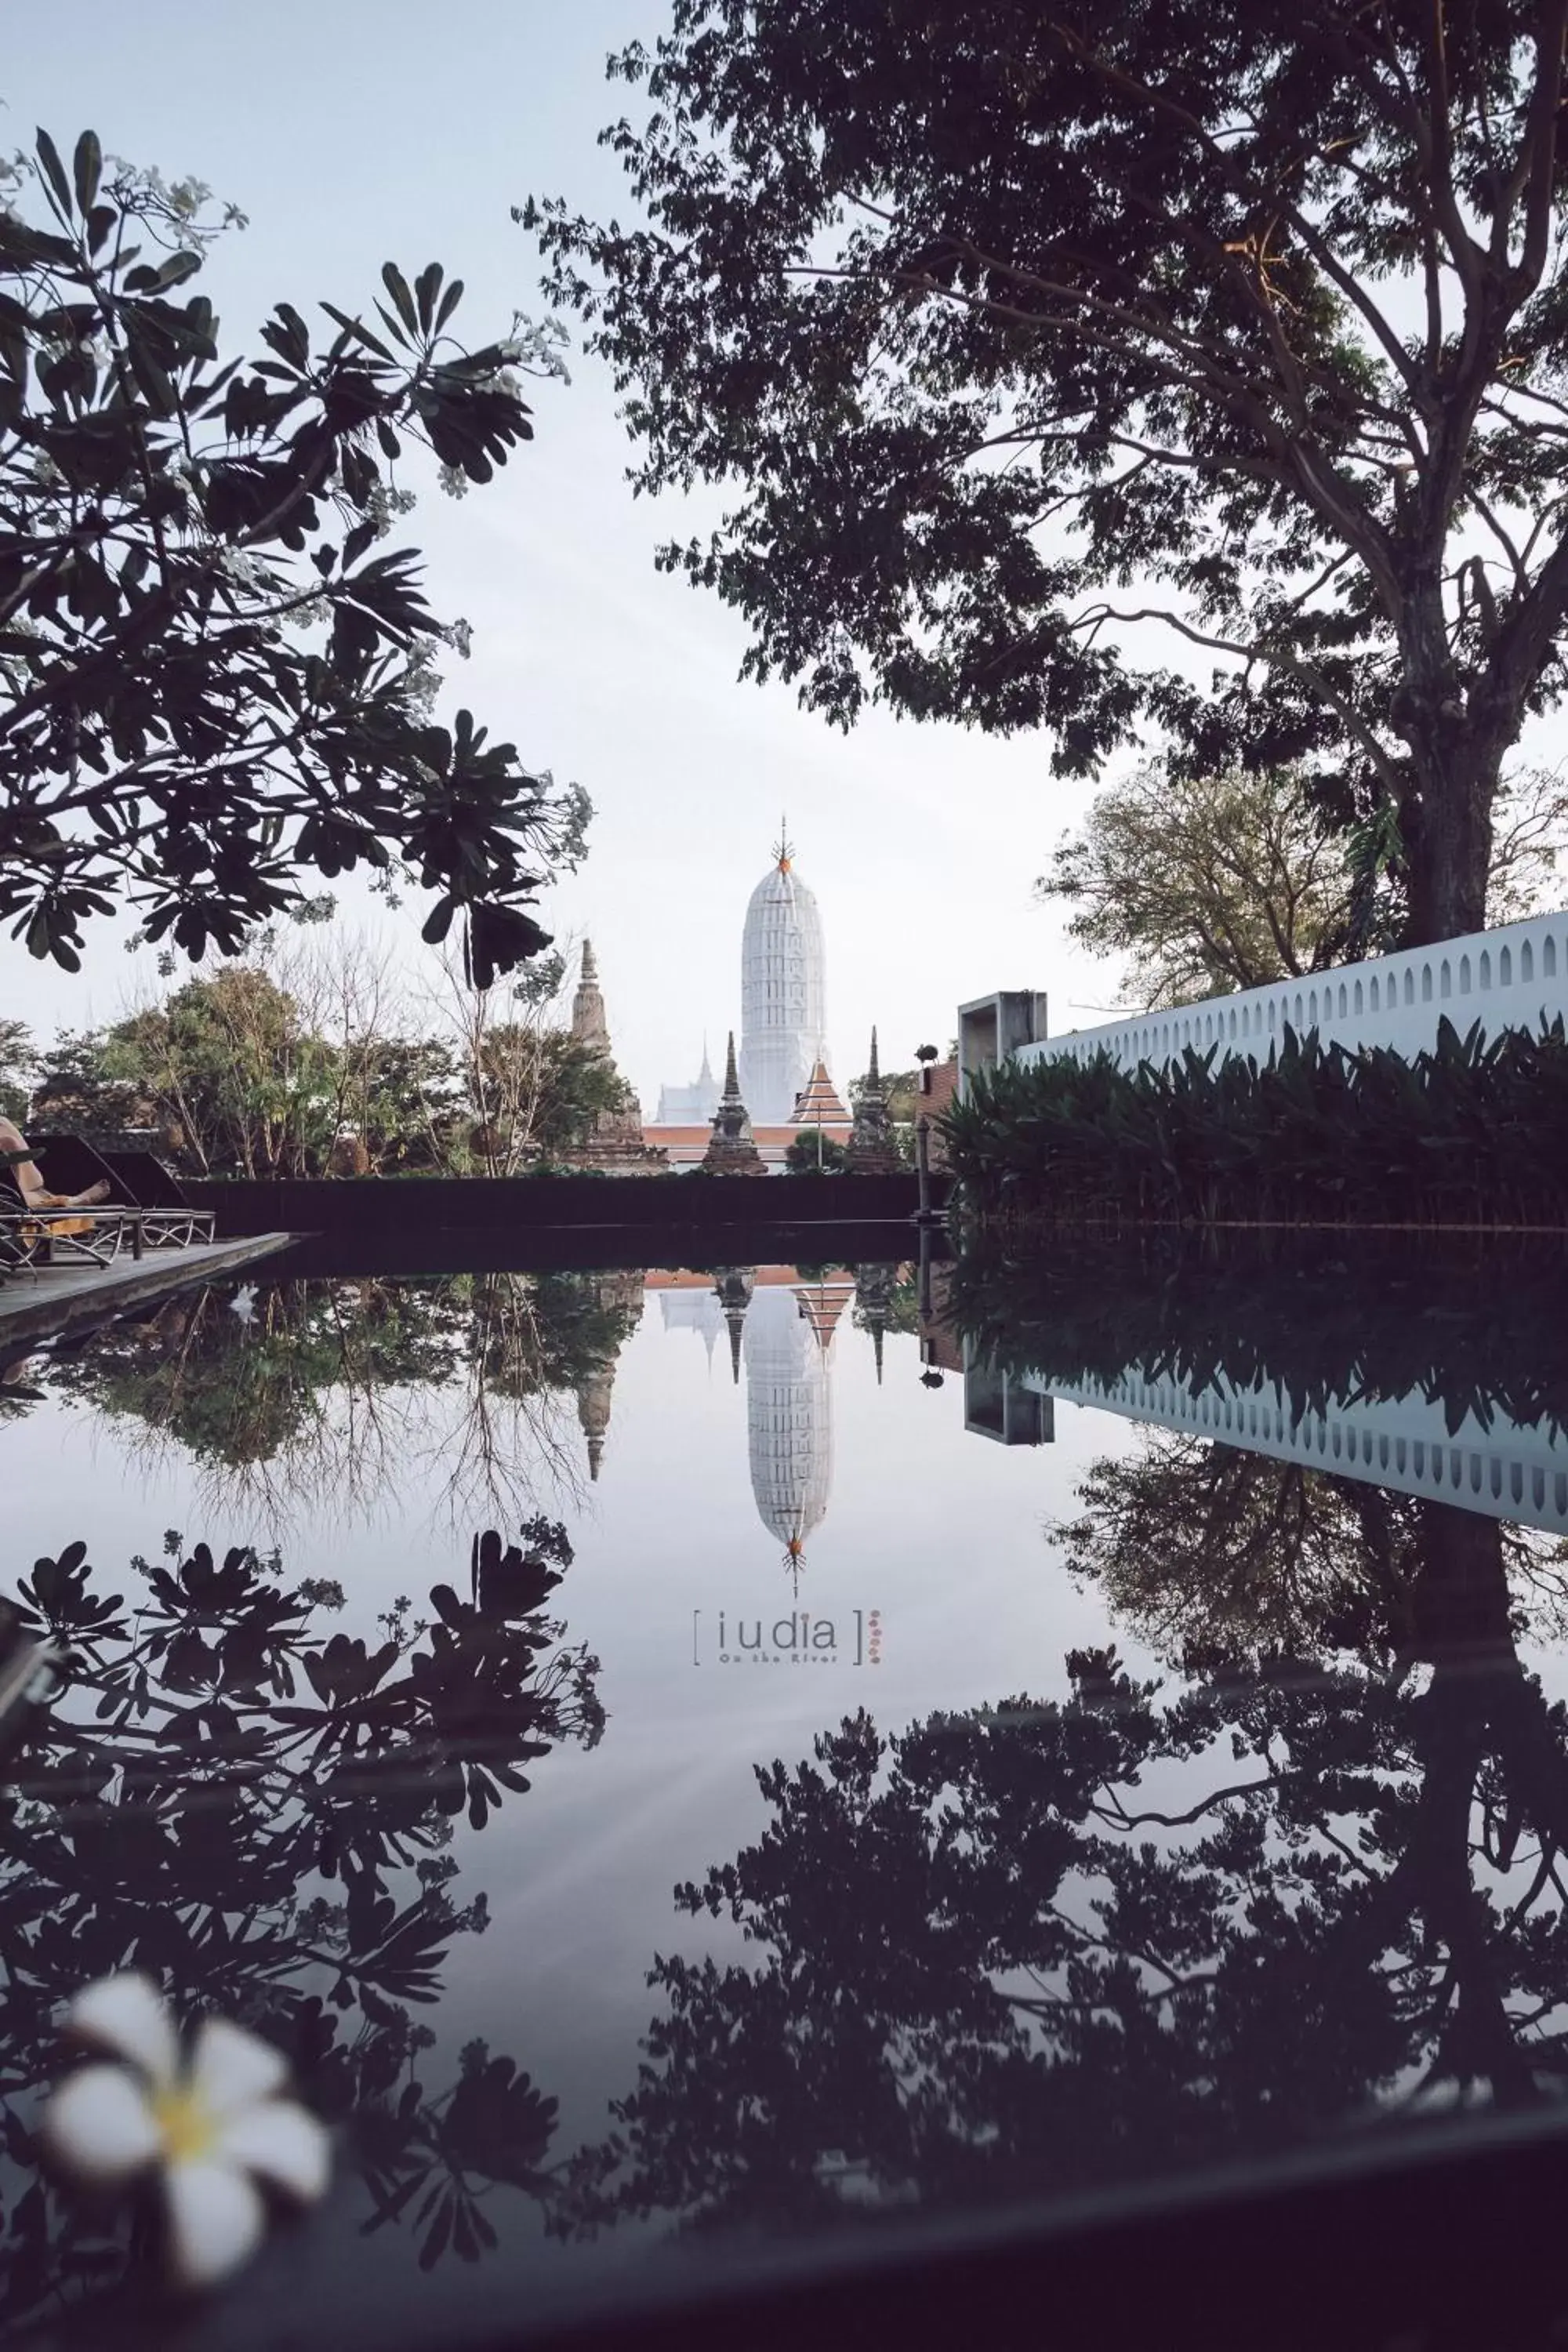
x: 1412, y: 1443
x: 1406, y: 1376
x: 1295, y: 1871
x: 781, y: 1322
x: 1316, y: 1883
x: 618, y: 1298
x: 1029, y: 1948
x: 1210, y: 1553
x: 707, y: 1304
x: 257, y: 1813
x: 789, y: 1408
x: 320, y: 1396
x: 1324, y: 1323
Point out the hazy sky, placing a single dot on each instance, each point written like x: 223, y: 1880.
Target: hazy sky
x: 353, y: 133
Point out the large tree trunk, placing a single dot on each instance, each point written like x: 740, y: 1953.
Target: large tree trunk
x: 1448, y: 841
x: 1446, y: 816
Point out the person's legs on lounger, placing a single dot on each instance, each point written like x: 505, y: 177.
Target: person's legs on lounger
x: 35, y: 1194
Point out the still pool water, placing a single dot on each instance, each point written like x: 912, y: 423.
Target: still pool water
x: 870, y: 1771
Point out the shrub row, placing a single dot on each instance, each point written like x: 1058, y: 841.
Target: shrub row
x: 1473, y: 1132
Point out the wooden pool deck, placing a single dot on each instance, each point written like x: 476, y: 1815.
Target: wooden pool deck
x: 57, y: 1301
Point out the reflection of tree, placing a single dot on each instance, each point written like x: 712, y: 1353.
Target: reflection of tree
x: 530, y: 1341
x: 321, y: 1394
x: 237, y: 1378
x: 259, y: 1816
x: 1212, y: 1555
x: 19, y: 1391
x: 993, y: 1960
x: 542, y: 1331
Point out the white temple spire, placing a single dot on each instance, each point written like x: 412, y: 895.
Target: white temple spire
x: 784, y: 1010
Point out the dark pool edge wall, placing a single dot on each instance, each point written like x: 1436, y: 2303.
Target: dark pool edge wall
x: 378, y: 1212
x: 595, y: 1249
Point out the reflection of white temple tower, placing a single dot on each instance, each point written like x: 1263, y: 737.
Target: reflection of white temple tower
x: 783, y: 992
x: 788, y: 1354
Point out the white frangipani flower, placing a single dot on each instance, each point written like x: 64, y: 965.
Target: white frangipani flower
x: 211, y: 2122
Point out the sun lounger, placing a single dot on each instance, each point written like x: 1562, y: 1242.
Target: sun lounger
x: 30, y: 1236
x: 93, y: 1234
x: 154, y: 1211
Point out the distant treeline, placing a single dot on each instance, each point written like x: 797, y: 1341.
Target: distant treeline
x: 1470, y: 1133
x: 307, y: 1065
x: 1480, y: 1329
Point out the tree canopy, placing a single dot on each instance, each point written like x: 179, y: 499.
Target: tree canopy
x: 307, y: 1060
x: 18, y: 1062
x: 1012, y: 334
x: 212, y: 678
x: 814, y: 1152
x: 1204, y: 884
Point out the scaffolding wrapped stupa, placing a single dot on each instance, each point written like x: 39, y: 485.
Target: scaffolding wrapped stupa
x: 784, y: 992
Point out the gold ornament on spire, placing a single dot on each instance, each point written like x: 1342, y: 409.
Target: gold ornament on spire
x: 784, y: 847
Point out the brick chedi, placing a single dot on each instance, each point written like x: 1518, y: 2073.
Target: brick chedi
x: 614, y: 1141
x: 731, y: 1148
x: 873, y: 1147
x: 590, y: 1024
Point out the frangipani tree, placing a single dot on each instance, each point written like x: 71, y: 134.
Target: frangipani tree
x: 214, y: 680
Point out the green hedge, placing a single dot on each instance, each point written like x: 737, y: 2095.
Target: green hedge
x: 1471, y: 1133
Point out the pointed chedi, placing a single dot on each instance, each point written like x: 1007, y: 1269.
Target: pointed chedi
x: 874, y: 1288
x: 784, y: 1011
x: 590, y: 1026
x: 732, y: 1147
x: 873, y: 1147
x: 732, y: 1288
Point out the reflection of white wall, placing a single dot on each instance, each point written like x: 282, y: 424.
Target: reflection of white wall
x: 1502, y: 1470
x: 789, y: 1415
